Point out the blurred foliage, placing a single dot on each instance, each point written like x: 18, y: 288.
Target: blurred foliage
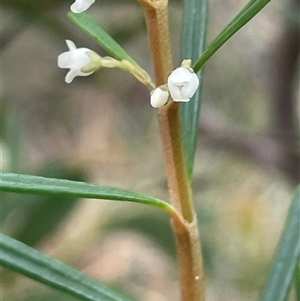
x: 151, y: 224
x: 47, y: 297
x: 286, y: 259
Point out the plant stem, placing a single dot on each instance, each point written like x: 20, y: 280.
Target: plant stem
x: 186, y: 233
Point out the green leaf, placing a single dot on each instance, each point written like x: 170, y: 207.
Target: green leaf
x: 47, y: 186
x: 193, y: 43
x: 247, y: 13
x: 85, y: 22
x: 47, y: 270
x: 45, y: 211
x: 297, y: 281
x: 286, y: 258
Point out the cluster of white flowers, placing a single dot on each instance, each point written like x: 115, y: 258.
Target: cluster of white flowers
x: 181, y: 85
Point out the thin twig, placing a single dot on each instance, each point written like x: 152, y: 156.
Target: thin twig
x: 186, y: 233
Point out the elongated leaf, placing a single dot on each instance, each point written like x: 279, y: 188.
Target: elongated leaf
x: 34, y: 264
x: 297, y: 281
x: 45, y: 211
x: 286, y: 258
x: 193, y: 43
x: 46, y: 186
x: 247, y: 13
x: 85, y: 22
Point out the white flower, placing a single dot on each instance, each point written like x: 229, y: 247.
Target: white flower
x: 81, y: 5
x: 159, y: 97
x: 75, y: 59
x: 182, y: 84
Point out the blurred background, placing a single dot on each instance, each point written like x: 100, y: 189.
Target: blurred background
x: 101, y: 129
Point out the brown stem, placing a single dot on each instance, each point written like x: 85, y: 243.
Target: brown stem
x: 158, y: 29
x: 179, y: 186
x: 190, y: 260
x: 186, y: 232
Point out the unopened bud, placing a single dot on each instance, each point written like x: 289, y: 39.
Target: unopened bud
x: 159, y: 97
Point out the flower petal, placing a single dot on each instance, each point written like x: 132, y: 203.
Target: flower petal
x: 182, y: 100
x: 71, y: 45
x: 182, y: 84
x: 76, y: 59
x: 180, y: 76
x: 64, y: 60
x: 80, y: 6
x: 189, y: 89
x: 73, y: 73
x: 80, y: 58
x: 174, y: 90
x: 159, y: 97
x: 70, y: 76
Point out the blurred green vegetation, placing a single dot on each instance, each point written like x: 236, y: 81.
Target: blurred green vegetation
x: 102, y: 129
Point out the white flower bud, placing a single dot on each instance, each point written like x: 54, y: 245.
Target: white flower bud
x: 81, y: 5
x: 75, y: 59
x: 182, y: 84
x: 159, y: 97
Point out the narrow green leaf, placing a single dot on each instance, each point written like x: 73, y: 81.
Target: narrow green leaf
x: 286, y: 258
x: 297, y: 281
x: 36, y: 265
x: 47, y: 186
x: 194, y: 30
x: 45, y: 211
x: 85, y: 22
x: 247, y: 13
